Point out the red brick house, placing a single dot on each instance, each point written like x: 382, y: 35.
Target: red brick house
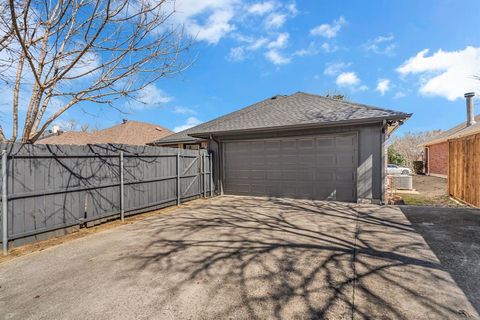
x: 436, y: 149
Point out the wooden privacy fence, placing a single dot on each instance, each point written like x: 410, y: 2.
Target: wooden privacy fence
x: 464, y: 169
x: 50, y: 189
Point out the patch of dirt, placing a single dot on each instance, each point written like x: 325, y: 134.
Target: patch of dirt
x: 432, y: 191
x: 429, y: 186
x: 83, y: 232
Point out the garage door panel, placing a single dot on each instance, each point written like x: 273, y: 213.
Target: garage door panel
x: 324, y: 176
x: 317, y: 167
x: 344, y: 141
x: 258, y: 175
x: 345, y: 160
x: 274, y: 175
x: 325, y: 142
x: 325, y: 159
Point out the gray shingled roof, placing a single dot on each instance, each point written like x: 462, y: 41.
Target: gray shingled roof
x: 299, y: 109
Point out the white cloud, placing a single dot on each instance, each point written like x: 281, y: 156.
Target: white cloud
x: 275, y: 20
x: 184, y: 111
x: 276, y: 57
x: 447, y: 74
x: 399, y: 95
x: 292, y: 8
x: 328, y: 48
x: 261, y: 8
x: 207, y: 20
x: 236, y: 54
x: 350, y: 80
x: 347, y: 79
x: 311, y: 50
x: 383, y: 86
x: 361, y: 88
x: 150, y: 96
x: 329, y: 30
x: 191, y: 122
x: 239, y: 53
x: 217, y: 25
x: 381, y: 45
x: 280, y: 42
x: 334, y: 68
x: 257, y: 44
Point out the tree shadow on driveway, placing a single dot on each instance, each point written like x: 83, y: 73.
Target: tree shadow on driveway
x: 454, y: 236
x: 256, y: 258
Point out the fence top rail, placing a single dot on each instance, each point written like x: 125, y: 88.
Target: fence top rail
x: 63, y: 156
x: 19, y: 151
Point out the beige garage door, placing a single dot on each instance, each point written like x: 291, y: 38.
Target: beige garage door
x: 315, y: 167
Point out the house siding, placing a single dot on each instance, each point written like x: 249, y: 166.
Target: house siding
x: 437, y: 159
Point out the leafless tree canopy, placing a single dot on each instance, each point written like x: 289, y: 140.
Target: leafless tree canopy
x: 56, y: 54
x: 408, y: 145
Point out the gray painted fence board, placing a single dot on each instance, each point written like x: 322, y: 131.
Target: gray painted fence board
x: 56, y: 187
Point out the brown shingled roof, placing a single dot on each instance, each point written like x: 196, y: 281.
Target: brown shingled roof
x: 129, y: 132
x: 459, y: 130
x: 67, y: 137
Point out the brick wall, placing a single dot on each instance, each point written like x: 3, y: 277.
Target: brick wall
x: 438, y: 159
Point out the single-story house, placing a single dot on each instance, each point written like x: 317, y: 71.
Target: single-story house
x: 299, y: 146
x: 436, y: 150
x: 128, y: 132
x: 455, y: 154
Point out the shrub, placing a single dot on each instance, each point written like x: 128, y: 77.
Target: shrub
x: 418, y: 167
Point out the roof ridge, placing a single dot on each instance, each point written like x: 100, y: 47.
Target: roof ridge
x: 352, y: 103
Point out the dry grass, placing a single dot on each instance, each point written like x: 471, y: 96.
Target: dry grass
x: 83, y: 232
x: 438, y: 201
x: 429, y: 191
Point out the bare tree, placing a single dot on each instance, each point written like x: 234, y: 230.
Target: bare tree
x: 57, y: 54
x: 408, y: 145
x: 335, y: 94
x: 84, y: 127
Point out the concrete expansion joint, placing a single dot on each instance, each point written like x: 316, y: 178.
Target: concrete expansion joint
x: 354, y: 256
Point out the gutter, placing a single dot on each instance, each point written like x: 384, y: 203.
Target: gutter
x: 204, y: 135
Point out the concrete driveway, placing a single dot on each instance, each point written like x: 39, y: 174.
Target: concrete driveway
x: 454, y: 237
x: 242, y: 258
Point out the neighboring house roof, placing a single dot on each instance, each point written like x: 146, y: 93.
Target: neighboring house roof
x: 455, y: 132
x: 128, y: 132
x: 297, y: 110
x: 67, y: 137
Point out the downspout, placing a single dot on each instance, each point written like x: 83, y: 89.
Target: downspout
x: 218, y: 160
x: 384, y: 160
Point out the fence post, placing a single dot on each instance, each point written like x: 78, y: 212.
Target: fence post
x: 178, y: 178
x: 210, y: 169
x: 122, y: 190
x: 4, y: 204
x: 204, y: 166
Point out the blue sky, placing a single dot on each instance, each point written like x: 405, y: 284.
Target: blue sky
x: 373, y: 51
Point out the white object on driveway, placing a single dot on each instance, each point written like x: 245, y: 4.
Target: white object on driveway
x: 396, y: 169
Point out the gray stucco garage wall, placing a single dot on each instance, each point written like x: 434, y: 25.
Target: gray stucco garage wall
x: 370, y: 169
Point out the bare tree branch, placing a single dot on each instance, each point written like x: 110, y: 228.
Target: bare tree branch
x: 93, y: 52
